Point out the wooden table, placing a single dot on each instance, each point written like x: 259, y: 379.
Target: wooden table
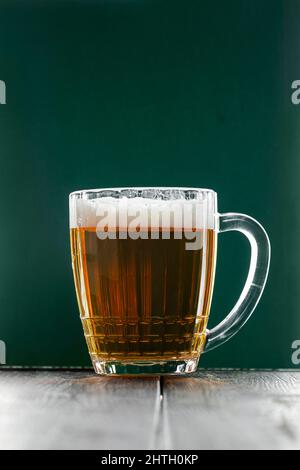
x: 209, y: 410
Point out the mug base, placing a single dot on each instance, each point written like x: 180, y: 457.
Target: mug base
x: 142, y: 368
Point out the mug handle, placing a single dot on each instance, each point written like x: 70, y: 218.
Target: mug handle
x: 255, y: 282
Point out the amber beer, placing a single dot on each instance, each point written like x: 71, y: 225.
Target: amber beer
x: 139, y: 297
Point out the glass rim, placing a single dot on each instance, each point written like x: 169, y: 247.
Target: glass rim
x: 81, y: 192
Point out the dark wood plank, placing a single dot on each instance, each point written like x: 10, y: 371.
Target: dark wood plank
x: 211, y: 410
x: 76, y: 410
x: 233, y: 410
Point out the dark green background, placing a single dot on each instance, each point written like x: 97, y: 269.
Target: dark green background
x: 120, y: 93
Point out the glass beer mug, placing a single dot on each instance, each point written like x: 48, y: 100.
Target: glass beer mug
x: 144, y: 265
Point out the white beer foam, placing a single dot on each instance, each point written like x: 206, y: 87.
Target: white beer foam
x: 139, y: 211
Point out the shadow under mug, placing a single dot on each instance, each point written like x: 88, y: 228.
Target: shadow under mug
x: 144, y: 265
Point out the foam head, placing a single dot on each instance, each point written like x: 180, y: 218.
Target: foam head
x: 144, y: 212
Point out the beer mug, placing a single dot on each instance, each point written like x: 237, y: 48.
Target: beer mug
x: 144, y: 265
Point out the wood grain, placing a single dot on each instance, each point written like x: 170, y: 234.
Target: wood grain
x: 233, y: 410
x: 76, y: 410
x: 209, y: 410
